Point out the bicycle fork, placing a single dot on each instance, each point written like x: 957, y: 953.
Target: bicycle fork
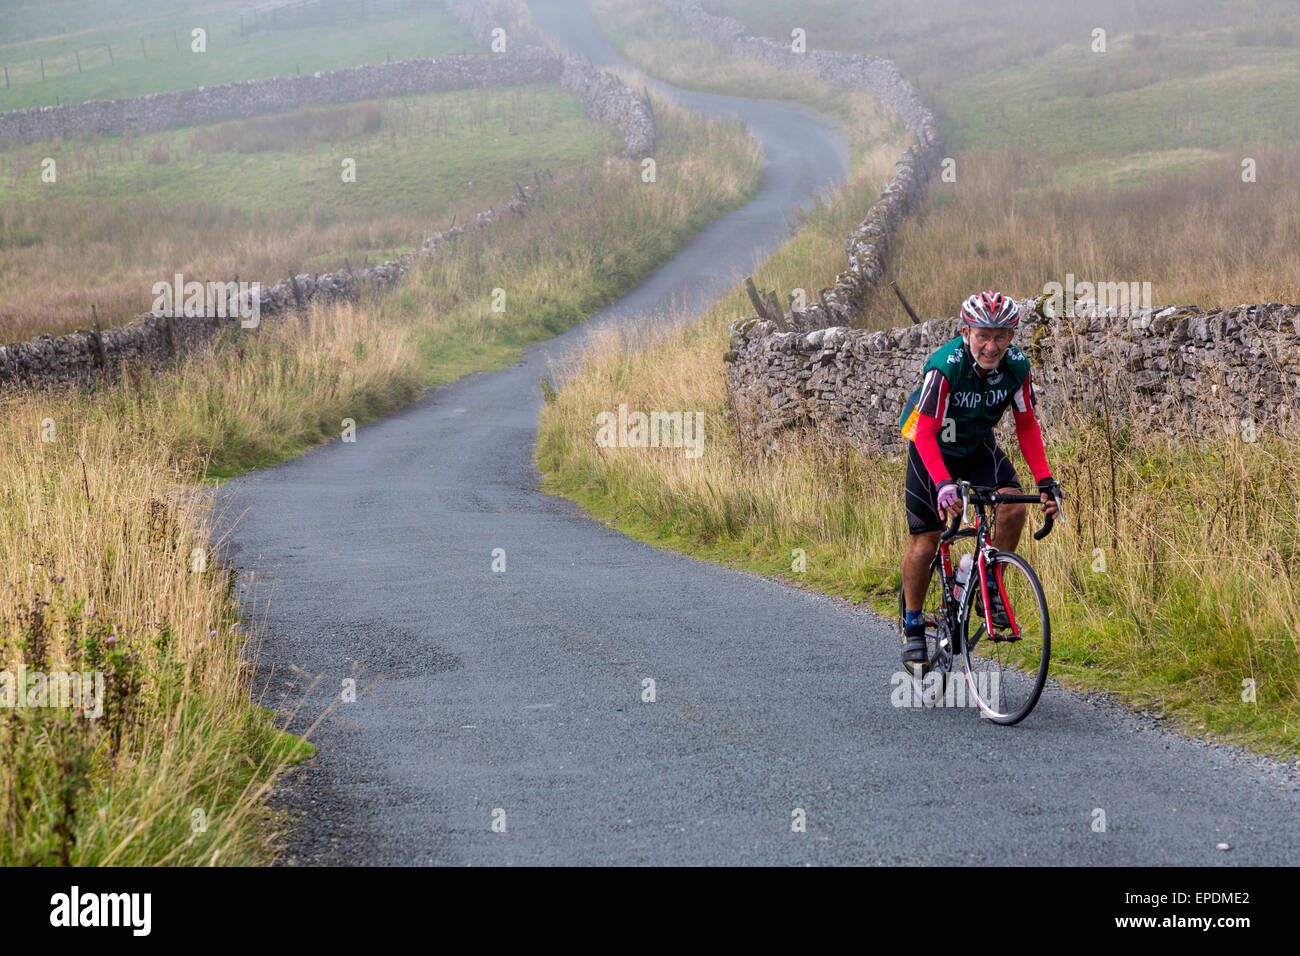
x: 984, y: 557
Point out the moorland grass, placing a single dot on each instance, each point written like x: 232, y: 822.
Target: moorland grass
x: 258, y: 197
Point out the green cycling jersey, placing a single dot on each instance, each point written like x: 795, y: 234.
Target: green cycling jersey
x: 968, y: 403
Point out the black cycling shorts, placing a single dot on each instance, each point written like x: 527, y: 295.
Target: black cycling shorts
x: 987, y: 465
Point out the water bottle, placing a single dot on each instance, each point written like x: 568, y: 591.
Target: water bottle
x: 963, y: 575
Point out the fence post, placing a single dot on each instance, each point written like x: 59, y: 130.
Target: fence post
x: 760, y: 306
x: 143, y: 53
x: 6, y: 77
x: 111, y: 61
x: 175, y: 42
x: 77, y: 54
x: 96, y: 342
x: 42, y: 69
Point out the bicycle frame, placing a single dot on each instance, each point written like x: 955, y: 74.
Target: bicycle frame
x: 959, y: 611
x: 983, y: 528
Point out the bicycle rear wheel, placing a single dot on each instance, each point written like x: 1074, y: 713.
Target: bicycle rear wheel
x: 1007, y: 668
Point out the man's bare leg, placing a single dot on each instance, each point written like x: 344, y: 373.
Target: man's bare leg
x: 916, y: 567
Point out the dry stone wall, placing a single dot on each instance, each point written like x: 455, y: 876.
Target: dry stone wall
x: 867, y: 247
x: 1227, y: 371
x: 280, y: 94
x: 611, y: 102
x: 152, y: 341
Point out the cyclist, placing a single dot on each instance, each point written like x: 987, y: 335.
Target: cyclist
x: 948, y: 421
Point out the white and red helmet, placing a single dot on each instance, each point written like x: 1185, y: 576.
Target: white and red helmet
x: 990, y: 310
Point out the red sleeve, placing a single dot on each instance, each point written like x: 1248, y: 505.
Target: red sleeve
x: 927, y: 445
x: 1028, y: 433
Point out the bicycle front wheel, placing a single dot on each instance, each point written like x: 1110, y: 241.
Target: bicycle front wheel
x: 1006, y: 666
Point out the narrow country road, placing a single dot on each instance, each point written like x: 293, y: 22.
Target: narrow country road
x: 517, y: 696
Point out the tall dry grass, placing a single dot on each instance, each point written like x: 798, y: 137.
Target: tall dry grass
x: 1200, y: 236
x: 107, y: 569
x: 258, y: 197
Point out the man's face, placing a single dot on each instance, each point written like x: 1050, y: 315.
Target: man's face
x: 988, y: 345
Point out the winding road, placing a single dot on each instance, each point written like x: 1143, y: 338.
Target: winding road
x: 499, y: 716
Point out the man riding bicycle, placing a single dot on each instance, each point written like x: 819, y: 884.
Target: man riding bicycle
x: 948, y: 421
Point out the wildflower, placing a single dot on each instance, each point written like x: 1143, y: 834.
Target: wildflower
x: 112, y: 638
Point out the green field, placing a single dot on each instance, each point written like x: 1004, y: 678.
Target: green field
x: 1175, y: 74
x: 58, y: 31
x: 1119, y: 164
x: 229, y: 199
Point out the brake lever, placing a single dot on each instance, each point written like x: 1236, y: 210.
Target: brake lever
x: 1050, y: 520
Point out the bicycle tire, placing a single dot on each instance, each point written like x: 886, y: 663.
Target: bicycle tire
x: 1024, y: 683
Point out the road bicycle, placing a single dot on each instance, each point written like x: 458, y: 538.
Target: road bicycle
x: 1005, y: 659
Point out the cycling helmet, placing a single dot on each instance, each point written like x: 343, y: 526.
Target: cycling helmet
x: 990, y: 310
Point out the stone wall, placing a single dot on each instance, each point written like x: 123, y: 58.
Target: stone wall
x: 607, y: 99
x: 280, y: 94
x: 610, y: 101
x: 1230, y: 369
x: 151, y: 341
x: 867, y: 247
